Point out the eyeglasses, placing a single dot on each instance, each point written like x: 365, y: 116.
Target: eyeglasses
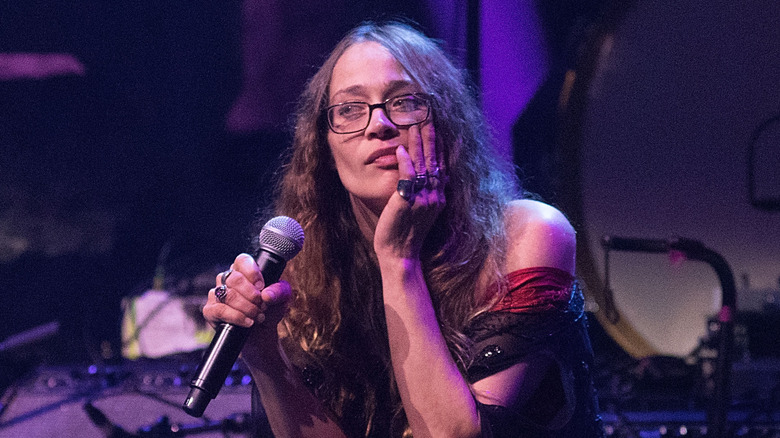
x: 404, y: 110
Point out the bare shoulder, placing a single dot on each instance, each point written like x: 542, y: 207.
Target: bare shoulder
x: 538, y: 234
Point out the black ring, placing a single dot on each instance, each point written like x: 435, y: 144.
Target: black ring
x: 420, y: 181
x: 405, y: 188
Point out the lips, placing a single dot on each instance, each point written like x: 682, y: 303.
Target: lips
x: 384, y: 156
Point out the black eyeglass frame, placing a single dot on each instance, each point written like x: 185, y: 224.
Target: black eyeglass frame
x: 372, y: 106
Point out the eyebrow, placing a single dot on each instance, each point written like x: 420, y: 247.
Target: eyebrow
x: 360, y: 90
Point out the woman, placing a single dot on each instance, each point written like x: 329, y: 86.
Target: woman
x: 428, y: 299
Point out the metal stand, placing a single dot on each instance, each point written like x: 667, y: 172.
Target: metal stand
x: 717, y: 415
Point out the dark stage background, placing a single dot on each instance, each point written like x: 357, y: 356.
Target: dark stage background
x: 105, y: 171
x: 153, y: 142
x: 100, y: 171
x: 139, y: 139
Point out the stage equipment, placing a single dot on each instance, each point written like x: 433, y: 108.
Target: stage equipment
x: 684, y: 424
x: 159, y: 323
x: 135, y: 399
x: 693, y: 250
x: 29, y: 337
x: 763, y: 162
x: 654, y: 121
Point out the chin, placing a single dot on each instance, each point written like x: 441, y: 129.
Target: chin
x: 374, y: 193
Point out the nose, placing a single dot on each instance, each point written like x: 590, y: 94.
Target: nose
x: 380, y: 126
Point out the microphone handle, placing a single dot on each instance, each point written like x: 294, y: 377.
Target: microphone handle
x: 215, y: 367
x: 225, y: 347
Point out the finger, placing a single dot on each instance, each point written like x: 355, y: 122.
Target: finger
x: 430, y: 149
x: 441, y: 160
x: 246, y: 265
x: 216, y: 312
x: 405, y: 165
x: 434, y: 158
x: 246, y: 279
x: 236, y: 298
x: 405, y: 190
x: 415, y: 149
x: 243, y: 266
x: 277, y: 293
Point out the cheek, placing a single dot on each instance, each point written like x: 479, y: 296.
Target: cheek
x: 335, y: 149
x: 342, y: 160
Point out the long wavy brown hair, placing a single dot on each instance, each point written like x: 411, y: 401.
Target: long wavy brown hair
x: 336, y: 321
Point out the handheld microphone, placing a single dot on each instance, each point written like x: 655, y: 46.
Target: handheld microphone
x: 280, y: 240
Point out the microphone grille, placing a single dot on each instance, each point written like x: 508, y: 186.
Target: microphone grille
x: 283, y: 236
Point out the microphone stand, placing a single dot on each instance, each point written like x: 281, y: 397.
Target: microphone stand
x: 717, y: 415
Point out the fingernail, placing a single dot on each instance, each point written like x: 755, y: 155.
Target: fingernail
x: 249, y: 321
x: 260, y: 318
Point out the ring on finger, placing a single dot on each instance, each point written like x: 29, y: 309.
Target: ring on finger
x: 220, y: 292
x: 420, y: 181
x: 437, y: 174
x: 405, y: 188
x: 225, y: 276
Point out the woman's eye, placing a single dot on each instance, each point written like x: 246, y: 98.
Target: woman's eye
x: 350, y: 111
x: 407, y: 103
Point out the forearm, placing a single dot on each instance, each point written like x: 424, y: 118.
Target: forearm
x: 292, y: 409
x: 436, y: 397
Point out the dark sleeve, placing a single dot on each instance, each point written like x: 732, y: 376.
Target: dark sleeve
x: 565, y: 405
x: 502, y: 339
x: 500, y: 422
x: 505, y: 339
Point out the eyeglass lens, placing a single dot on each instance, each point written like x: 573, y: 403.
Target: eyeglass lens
x: 405, y: 110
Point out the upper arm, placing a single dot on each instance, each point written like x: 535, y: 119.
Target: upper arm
x: 534, y: 390
x: 538, y: 235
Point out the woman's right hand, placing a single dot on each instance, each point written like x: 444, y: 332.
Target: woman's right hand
x: 249, y: 303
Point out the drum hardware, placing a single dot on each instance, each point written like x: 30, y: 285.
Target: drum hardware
x: 760, y: 192
x: 693, y: 250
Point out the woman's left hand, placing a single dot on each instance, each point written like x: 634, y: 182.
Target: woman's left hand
x: 404, y: 223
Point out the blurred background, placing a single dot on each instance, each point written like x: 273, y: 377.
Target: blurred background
x: 139, y: 141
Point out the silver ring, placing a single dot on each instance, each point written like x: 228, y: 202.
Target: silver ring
x: 405, y: 188
x: 220, y: 292
x: 439, y: 175
x: 225, y: 276
x: 420, y: 181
